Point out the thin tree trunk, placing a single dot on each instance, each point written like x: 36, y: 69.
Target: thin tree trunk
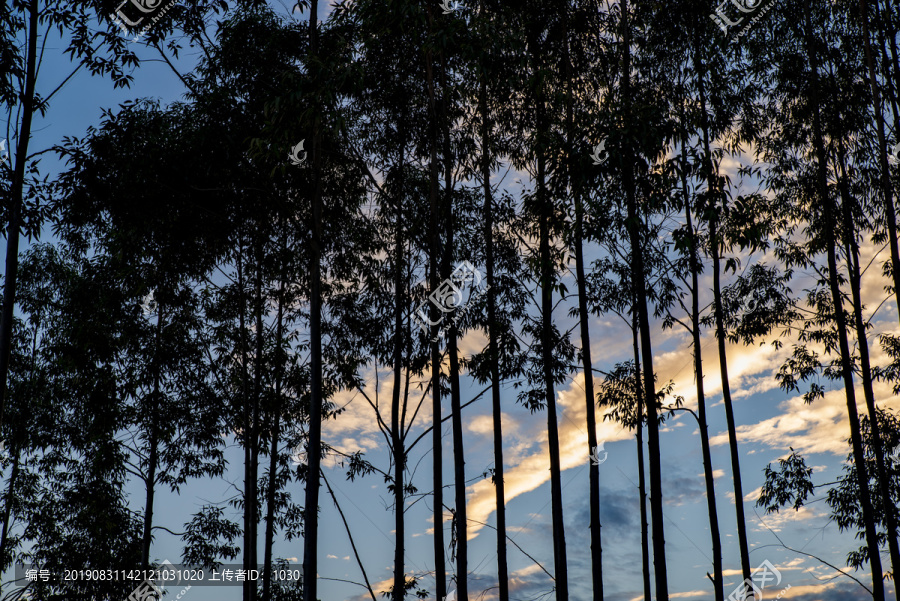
x: 253, y: 494
x: 273, y: 451
x: 642, y: 484
x: 499, y: 485
x: 712, y: 189
x: 246, y: 417
x: 584, y: 324
x: 718, y: 576
x: 546, y: 282
x: 559, y: 533
x: 153, y: 461
x: 743, y: 544
x: 311, y: 516
x: 637, y: 275
x: 15, y: 205
x: 459, y: 463
x: 433, y: 270
x: 399, y: 590
x: 587, y: 366
x: 841, y: 322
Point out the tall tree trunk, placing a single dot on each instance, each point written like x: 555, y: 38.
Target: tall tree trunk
x: 153, y: 442
x: 440, y: 567
x: 718, y: 576
x: 314, y: 450
x: 729, y: 407
x: 584, y: 324
x: 545, y: 208
x: 714, y: 244
x: 246, y: 416
x: 852, y: 250
x: 459, y: 462
x: 829, y: 210
x: 587, y: 366
x: 712, y: 189
x: 273, y: 451
x: 15, y: 205
x: 253, y: 494
x: 399, y: 590
x: 637, y: 278
x: 499, y: 485
x: 642, y: 484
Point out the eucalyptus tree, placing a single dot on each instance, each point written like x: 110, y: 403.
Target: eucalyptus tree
x: 28, y: 380
x: 714, y: 90
x: 800, y: 173
x: 490, y: 27
x: 387, y: 294
x: 434, y: 239
x: 580, y: 85
x: 311, y: 505
x: 853, y: 210
x: 147, y: 238
x: 541, y: 209
x: 687, y: 241
x: 32, y: 425
x: 104, y: 54
x: 396, y: 145
x: 447, y: 112
x: 610, y: 290
x: 71, y: 461
x: 639, y: 123
x: 234, y: 94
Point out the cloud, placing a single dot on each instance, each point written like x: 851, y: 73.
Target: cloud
x: 531, y: 470
x: 777, y: 521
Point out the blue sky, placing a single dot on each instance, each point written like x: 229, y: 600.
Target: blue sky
x: 768, y: 423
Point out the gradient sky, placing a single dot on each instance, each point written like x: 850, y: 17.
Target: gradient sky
x: 768, y: 423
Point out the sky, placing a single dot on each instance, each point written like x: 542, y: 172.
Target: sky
x: 768, y: 423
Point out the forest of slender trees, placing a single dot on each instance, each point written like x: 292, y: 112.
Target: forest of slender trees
x: 329, y: 202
